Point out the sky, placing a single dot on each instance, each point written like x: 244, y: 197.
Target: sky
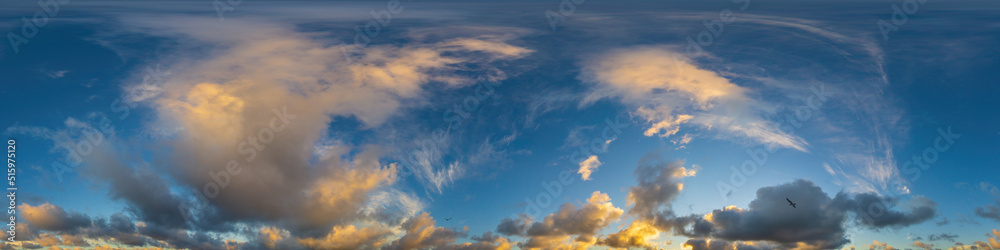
x: 572, y: 124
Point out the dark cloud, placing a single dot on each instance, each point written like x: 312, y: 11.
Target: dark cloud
x: 555, y: 229
x: 637, y: 235
x: 147, y: 194
x: 239, y: 143
x: 944, y: 221
x: 180, y: 238
x: 281, y: 179
x: 989, y: 211
x: 942, y: 236
x: 130, y: 179
x: 488, y: 236
x: 514, y: 226
x: 487, y: 241
x: 818, y: 221
x: 873, y: 210
x: 583, y: 222
x: 659, y: 184
x: 981, y: 245
x: 68, y: 228
x: 576, y: 227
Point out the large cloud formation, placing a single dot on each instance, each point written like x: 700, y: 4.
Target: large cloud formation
x: 266, y: 102
x: 241, y: 122
x: 768, y: 222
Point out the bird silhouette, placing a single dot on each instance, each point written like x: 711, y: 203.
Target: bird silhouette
x: 790, y: 203
x: 447, y: 219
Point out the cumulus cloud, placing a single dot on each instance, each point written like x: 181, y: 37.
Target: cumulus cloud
x: 588, y: 166
x: 52, y: 218
x: 108, y: 159
x: 344, y: 237
x: 557, y: 230
x: 668, y: 91
x: 925, y: 246
x: 989, y: 211
x: 572, y: 227
x: 422, y: 232
x: 233, y: 96
x: 514, y: 226
x: 880, y: 246
x: 51, y: 225
x: 992, y: 241
x: 638, y: 234
x: 659, y: 183
x: 769, y: 223
x: 816, y: 222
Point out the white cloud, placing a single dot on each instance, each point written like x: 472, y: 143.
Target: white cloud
x: 588, y: 166
x: 829, y: 169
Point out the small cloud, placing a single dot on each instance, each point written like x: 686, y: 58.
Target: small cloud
x: 942, y: 236
x: 829, y: 169
x: 588, y: 166
x: 680, y: 142
x: 57, y: 74
x: 923, y: 245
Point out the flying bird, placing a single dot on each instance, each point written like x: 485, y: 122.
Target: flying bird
x: 447, y: 219
x: 790, y: 203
